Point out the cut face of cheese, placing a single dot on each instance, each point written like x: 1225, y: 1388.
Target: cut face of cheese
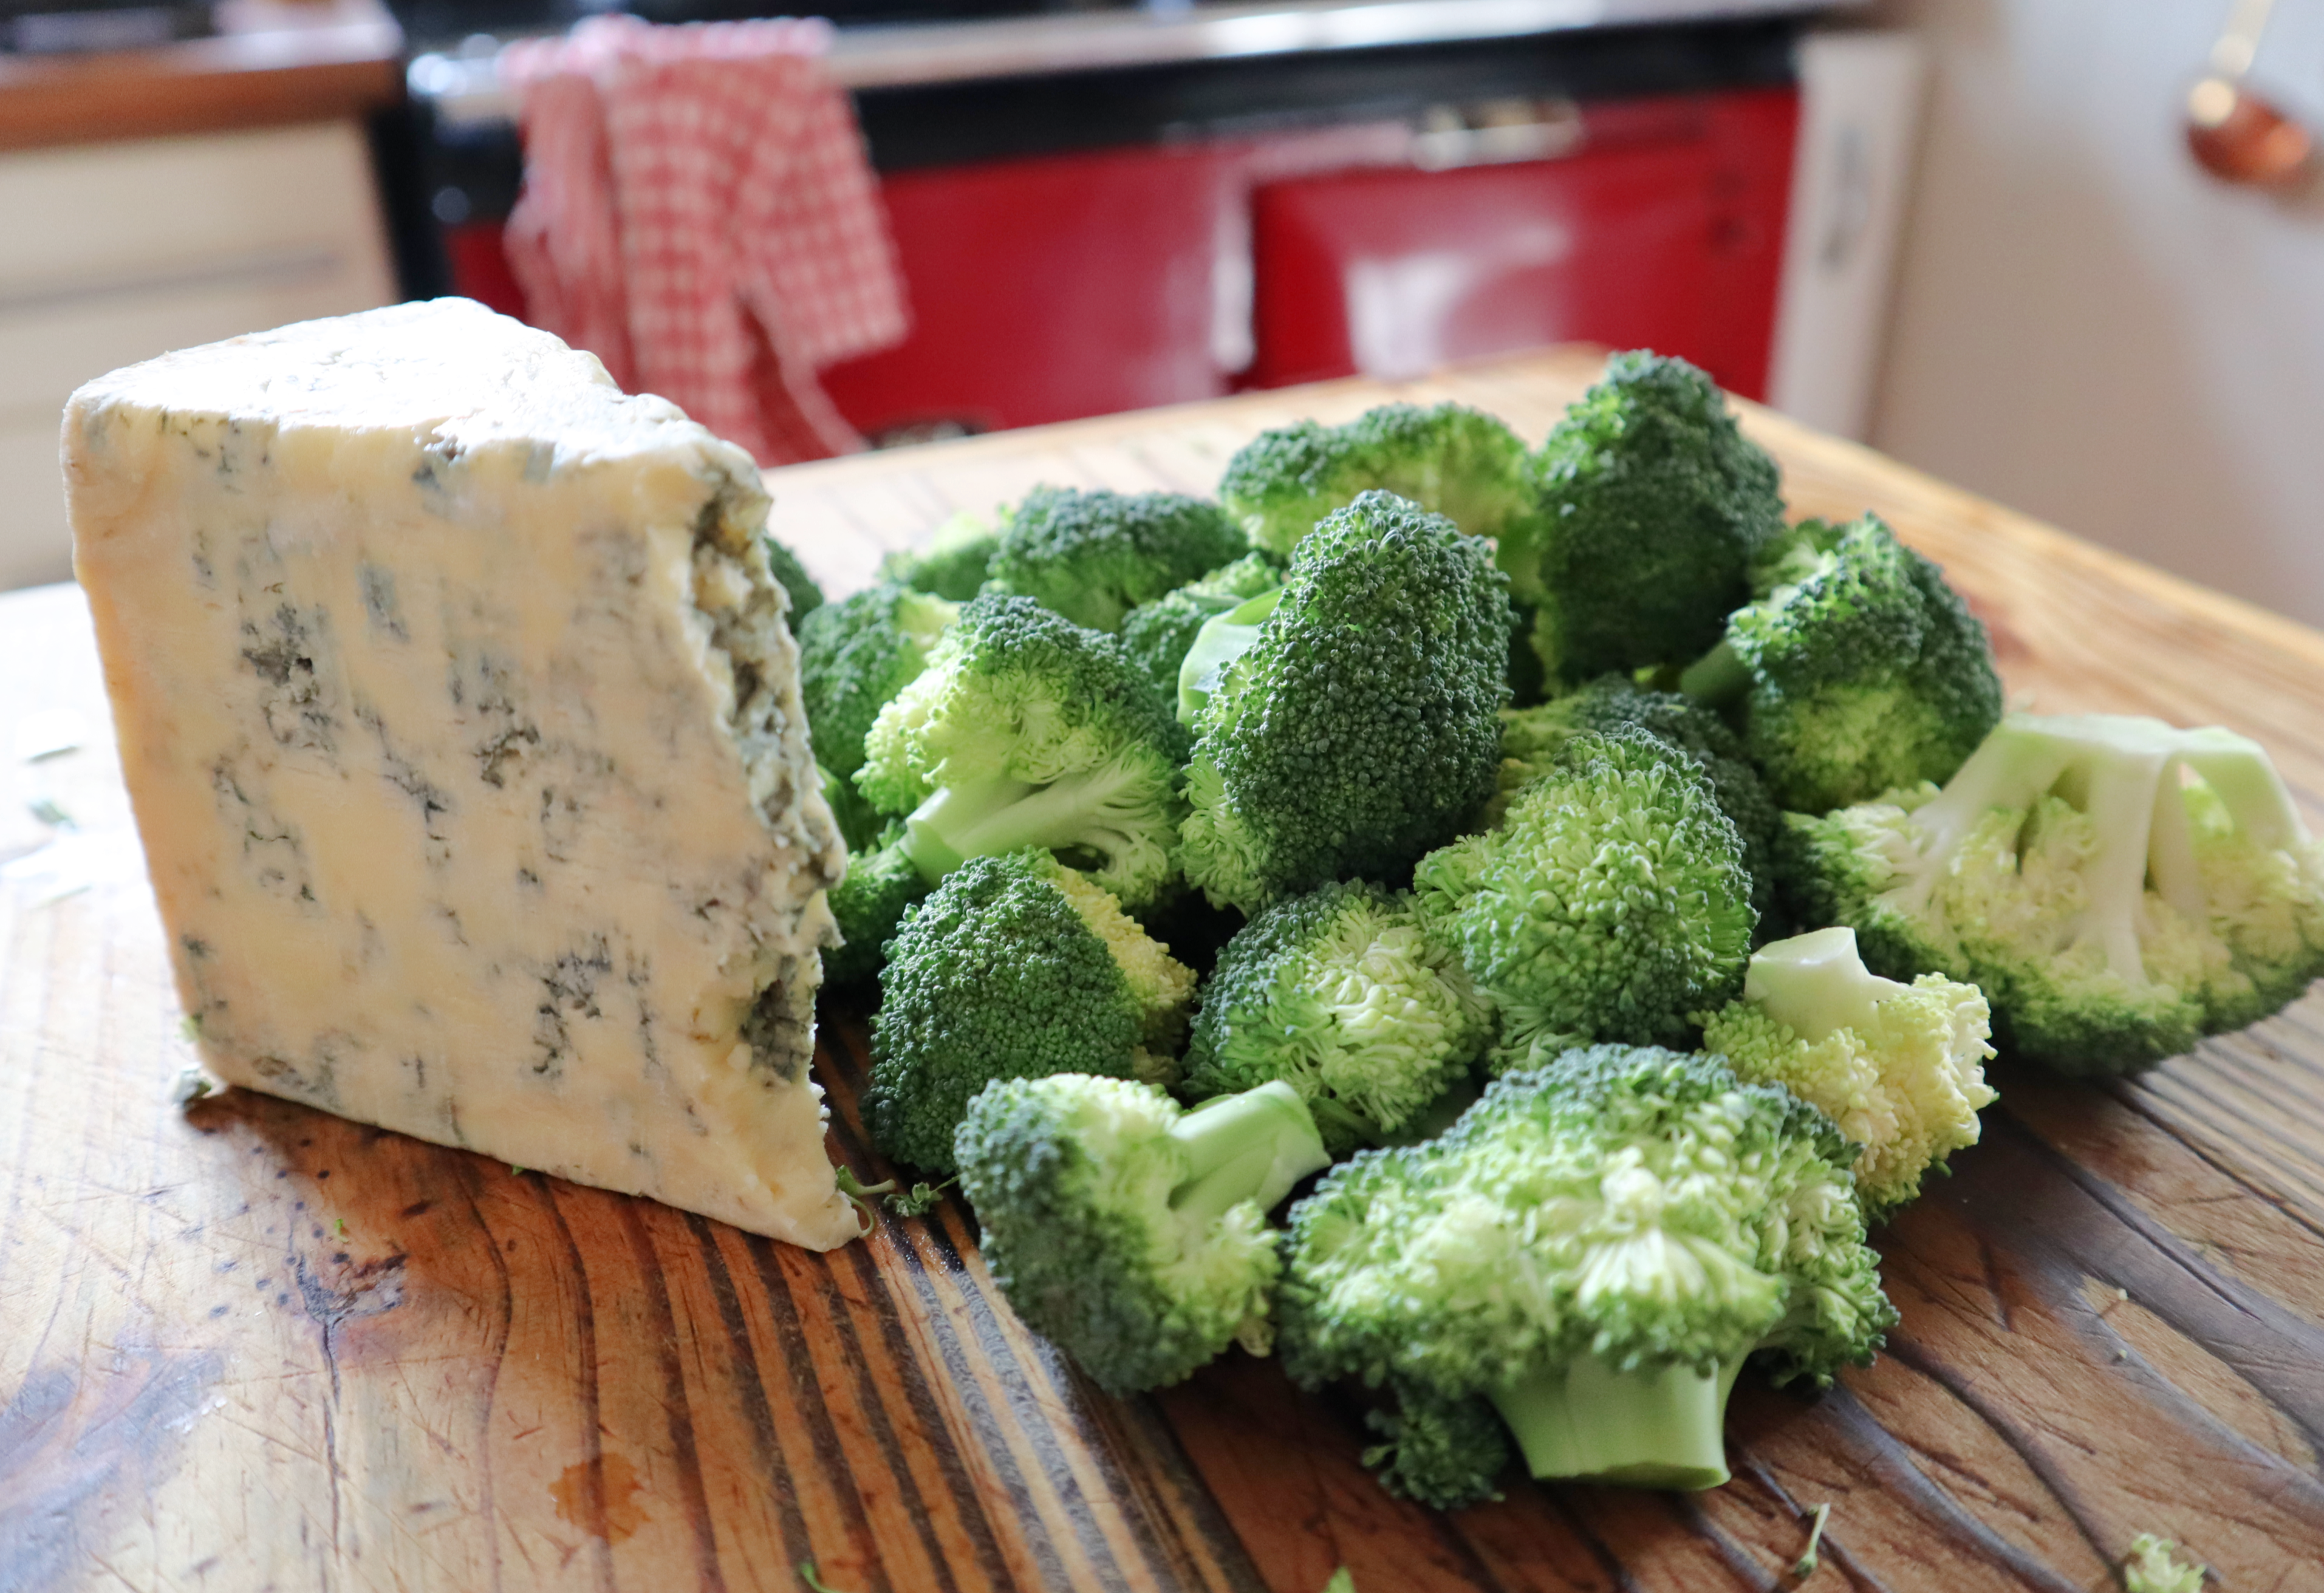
x: 463, y: 728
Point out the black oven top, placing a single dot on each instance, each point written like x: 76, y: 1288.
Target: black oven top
x: 433, y: 23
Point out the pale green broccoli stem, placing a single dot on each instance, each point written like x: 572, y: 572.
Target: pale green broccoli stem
x: 2112, y: 769
x: 1251, y: 1147
x: 1718, y: 679
x: 1657, y: 1427
x: 1224, y: 638
x: 1816, y: 984
x: 984, y: 818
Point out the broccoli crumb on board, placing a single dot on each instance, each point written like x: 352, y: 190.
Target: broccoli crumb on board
x: 2153, y: 1566
x: 1805, y: 1565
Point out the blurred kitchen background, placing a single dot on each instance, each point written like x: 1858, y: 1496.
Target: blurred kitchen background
x: 1969, y: 231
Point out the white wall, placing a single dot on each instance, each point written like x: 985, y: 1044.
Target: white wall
x: 2088, y: 327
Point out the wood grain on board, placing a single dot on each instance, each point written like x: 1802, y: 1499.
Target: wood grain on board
x: 243, y: 1345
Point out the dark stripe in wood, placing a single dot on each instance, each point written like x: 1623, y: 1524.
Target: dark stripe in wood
x: 593, y: 1420
x: 694, y: 1497
x: 2256, y: 1136
x: 2095, y: 1229
x: 2213, y: 1151
x: 1023, y: 1408
x: 1167, y: 1488
x: 1609, y: 1562
x: 1891, y: 1464
x: 1832, y: 1546
x: 2035, y: 1456
x: 758, y: 1417
x: 1740, y: 1564
x: 843, y: 1073
x: 464, y: 1174
x: 798, y: 1364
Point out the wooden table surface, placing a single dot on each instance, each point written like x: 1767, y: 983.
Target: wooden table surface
x: 246, y: 1346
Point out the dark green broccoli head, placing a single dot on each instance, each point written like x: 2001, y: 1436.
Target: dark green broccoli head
x: 1611, y: 902
x: 1158, y: 634
x: 954, y: 562
x: 1533, y: 738
x: 1451, y: 460
x: 1094, y: 556
x: 1653, y: 507
x: 1014, y: 968
x: 1361, y: 727
x: 792, y: 578
x: 1027, y: 730
x: 1339, y: 994
x: 1868, y: 673
x: 1664, y: 1220
x: 868, y: 904
x: 1133, y: 1234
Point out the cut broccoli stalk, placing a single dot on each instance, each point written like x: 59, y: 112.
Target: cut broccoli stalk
x: 1218, y: 644
x: 1815, y: 984
x: 1654, y: 1427
x: 1719, y: 679
x: 2113, y: 768
x: 1103, y: 817
x: 2115, y: 887
x: 1251, y: 1147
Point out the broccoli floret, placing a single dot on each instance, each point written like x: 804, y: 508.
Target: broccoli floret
x: 1532, y: 738
x: 1027, y: 730
x: 1899, y: 1067
x: 792, y: 578
x: 1451, y: 460
x: 855, y: 656
x: 1611, y: 902
x: 953, y: 563
x: 1341, y: 995
x: 1094, y: 556
x: 2117, y: 888
x: 1864, y: 672
x: 868, y: 904
x: 1159, y: 633
x: 1594, y: 1249
x: 1224, y: 638
x: 1653, y: 508
x: 1016, y: 967
x: 1129, y: 1233
x: 1360, y: 727
x: 2153, y: 1566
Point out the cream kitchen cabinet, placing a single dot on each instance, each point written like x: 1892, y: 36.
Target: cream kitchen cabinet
x: 115, y: 253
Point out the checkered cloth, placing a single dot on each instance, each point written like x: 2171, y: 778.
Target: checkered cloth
x: 698, y: 213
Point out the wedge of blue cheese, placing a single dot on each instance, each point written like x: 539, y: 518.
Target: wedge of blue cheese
x: 462, y: 723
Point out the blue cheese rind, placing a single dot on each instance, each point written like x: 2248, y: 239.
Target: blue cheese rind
x: 462, y: 723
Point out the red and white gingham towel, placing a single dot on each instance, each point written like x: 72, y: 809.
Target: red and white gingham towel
x: 698, y: 213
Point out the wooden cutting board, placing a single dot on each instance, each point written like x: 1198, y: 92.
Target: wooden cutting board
x: 246, y: 1346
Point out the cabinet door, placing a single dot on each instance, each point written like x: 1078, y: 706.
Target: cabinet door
x: 131, y: 250
x: 1047, y: 288
x: 1662, y: 230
